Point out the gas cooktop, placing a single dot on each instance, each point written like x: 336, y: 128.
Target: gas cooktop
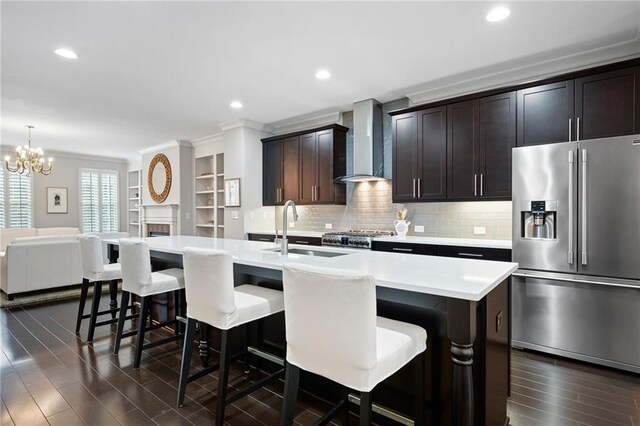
x: 353, y: 238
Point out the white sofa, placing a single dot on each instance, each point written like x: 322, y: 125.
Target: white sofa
x: 36, y: 259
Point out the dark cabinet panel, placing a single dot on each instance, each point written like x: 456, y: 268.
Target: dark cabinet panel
x: 405, y: 154
x: 261, y: 237
x: 608, y: 104
x: 272, y: 173
x: 462, y: 146
x: 544, y: 113
x: 311, y: 241
x: 290, y: 170
x: 324, y: 182
x: 407, y: 248
x: 308, y: 168
x: 497, y: 138
x: 481, y: 253
x: 432, y: 154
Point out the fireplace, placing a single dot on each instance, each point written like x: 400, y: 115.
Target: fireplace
x: 158, y: 230
x: 159, y: 219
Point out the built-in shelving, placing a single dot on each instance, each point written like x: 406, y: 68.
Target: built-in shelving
x: 134, y: 201
x: 209, y: 195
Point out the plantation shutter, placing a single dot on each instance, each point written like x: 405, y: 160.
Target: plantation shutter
x: 89, y: 199
x: 109, y: 201
x: 19, y: 201
x: 2, y: 199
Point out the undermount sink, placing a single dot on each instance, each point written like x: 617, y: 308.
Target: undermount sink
x: 307, y: 252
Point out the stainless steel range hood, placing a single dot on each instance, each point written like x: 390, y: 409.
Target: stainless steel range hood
x: 368, y: 144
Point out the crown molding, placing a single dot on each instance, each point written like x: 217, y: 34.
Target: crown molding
x: 246, y: 123
x: 306, y: 122
x: 204, y: 140
x: 10, y: 149
x: 500, y: 75
x: 165, y: 145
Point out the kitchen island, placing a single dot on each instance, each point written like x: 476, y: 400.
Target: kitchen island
x: 471, y: 295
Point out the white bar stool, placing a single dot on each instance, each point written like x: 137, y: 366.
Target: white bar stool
x: 332, y: 330
x: 138, y: 279
x: 212, y: 299
x: 96, y: 272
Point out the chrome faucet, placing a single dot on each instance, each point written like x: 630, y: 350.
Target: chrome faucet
x: 284, y: 244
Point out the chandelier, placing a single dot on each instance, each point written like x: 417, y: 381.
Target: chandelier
x: 29, y: 159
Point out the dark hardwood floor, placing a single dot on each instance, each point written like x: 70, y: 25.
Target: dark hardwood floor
x: 49, y: 376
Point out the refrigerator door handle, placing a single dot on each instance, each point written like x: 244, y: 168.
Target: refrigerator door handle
x: 570, y: 205
x: 584, y: 206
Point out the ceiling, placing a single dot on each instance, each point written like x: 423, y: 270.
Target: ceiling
x: 149, y: 72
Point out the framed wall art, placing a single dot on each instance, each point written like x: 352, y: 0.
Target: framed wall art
x: 56, y: 200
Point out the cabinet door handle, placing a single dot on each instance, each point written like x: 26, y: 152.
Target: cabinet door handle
x: 578, y: 129
x: 317, y: 193
x: 419, y: 192
x: 475, y: 184
x: 264, y: 239
x: 470, y: 255
x: 569, y: 129
x: 313, y: 193
x: 414, y: 188
x: 407, y: 250
x: 481, y: 184
x: 299, y: 242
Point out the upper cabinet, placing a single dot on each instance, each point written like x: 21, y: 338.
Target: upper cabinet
x: 302, y: 167
x: 419, y: 156
x: 596, y: 106
x: 480, y: 135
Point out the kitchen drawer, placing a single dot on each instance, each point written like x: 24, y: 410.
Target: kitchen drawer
x: 261, y: 237
x: 424, y: 249
x: 310, y: 241
x: 482, y: 253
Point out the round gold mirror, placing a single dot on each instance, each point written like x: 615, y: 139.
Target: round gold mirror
x: 159, y: 178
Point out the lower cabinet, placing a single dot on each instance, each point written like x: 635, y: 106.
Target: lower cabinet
x: 481, y: 253
x: 310, y: 241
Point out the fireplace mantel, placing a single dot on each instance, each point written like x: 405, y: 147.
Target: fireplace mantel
x: 159, y: 214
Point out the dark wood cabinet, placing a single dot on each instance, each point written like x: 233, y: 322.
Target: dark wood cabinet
x: 480, y: 136
x: 311, y: 241
x: 280, y: 171
x: 502, y: 255
x: 463, y: 128
x: 497, y: 139
x: 302, y: 167
x: 608, y: 104
x: 545, y: 113
x: 407, y: 248
x: 595, y: 106
x: 419, y: 156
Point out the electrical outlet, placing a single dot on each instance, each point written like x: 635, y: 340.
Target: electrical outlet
x: 292, y: 224
x: 328, y: 226
x: 418, y: 228
x: 235, y: 215
x: 479, y: 230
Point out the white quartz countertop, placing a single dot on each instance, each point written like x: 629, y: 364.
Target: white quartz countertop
x: 467, y: 279
x: 462, y: 242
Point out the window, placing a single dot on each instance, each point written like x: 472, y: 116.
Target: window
x: 19, y: 201
x: 99, y: 200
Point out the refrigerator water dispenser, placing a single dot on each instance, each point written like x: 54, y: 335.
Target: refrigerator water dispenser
x: 538, y: 219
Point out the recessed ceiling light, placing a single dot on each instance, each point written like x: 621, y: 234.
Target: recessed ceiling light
x: 323, y: 74
x: 498, y: 14
x: 66, y: 53
x: 236, y: 104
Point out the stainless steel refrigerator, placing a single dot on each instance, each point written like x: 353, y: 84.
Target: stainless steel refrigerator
x: 576, y: 237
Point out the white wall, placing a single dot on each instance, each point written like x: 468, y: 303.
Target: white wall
x: 65, y: 174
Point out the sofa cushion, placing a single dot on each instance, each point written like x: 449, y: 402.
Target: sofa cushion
x: 46, y: 239
x: 9, y: 234
x: 43, y: 232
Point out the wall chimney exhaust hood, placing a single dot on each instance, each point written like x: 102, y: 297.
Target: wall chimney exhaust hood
x: 368, y: 144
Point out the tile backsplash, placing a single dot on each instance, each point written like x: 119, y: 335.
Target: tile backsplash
x: 369, y: 206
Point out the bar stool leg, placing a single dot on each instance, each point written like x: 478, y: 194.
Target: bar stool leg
x: 124, y: 306
x: 291, y: 383
x: 145, y: 305
x: 186, y: 359
x: 95, y: 308
x: 223, y: 378
x: 345, y: 412
x: 83, y: 300
x: 203, y: 347
x: 365, y: 409
x: 113, y: 293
